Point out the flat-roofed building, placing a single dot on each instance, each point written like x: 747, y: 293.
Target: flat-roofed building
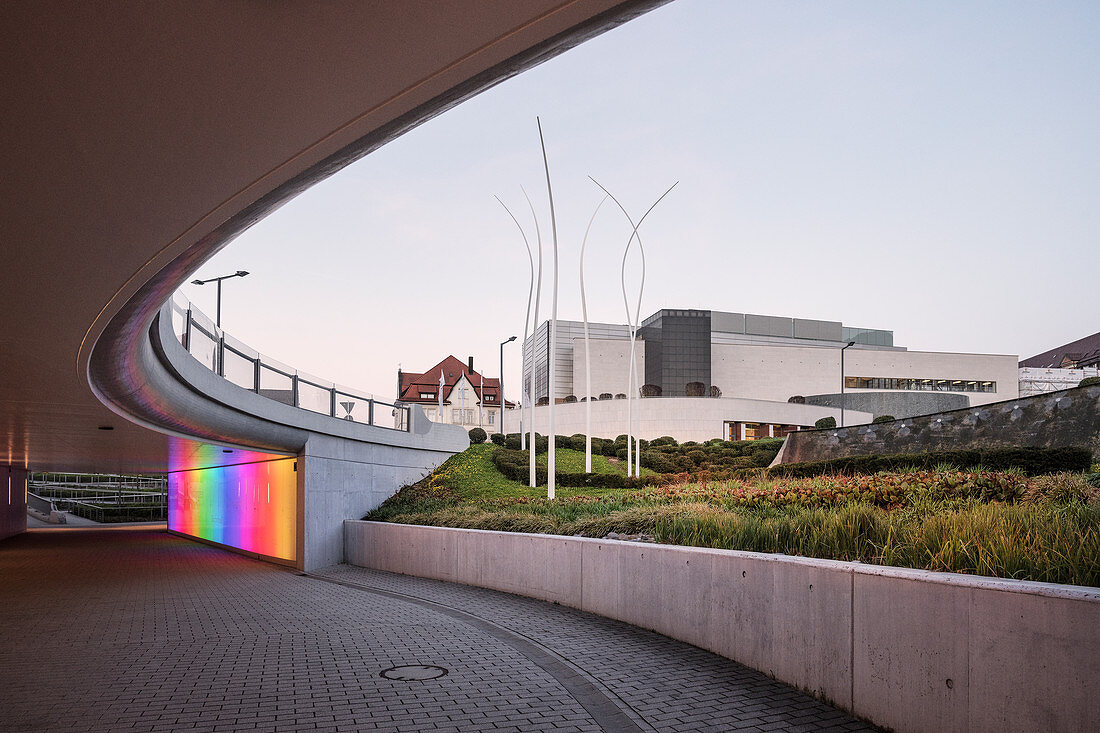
x: 762, y: 361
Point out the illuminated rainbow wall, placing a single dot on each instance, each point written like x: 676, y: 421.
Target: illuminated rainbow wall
x: 251, y: 505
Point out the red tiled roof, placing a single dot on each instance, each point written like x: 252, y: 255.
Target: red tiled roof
x: 453, y: 369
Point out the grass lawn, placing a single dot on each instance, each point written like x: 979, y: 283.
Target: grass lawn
x: 996, y: 523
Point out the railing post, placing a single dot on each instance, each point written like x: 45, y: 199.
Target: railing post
x: 256, y: 375
x: 187, y: 331
x: 294, y: 390
x: 221, y: 355
x: 332, y: 402
x: 370, y: 411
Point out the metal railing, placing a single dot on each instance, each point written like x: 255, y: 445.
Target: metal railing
x: 247, y: 368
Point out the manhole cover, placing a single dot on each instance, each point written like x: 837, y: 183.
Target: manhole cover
x: 413, y: 672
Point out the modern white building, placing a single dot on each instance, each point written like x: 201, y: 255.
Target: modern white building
x: 758, y: 375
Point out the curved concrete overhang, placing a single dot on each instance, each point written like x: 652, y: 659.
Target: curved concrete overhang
x: 140, y: 139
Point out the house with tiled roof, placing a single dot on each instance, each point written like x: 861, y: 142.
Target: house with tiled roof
x: 469, y: 398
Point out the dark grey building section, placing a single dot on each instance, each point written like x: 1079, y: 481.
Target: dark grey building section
x: 677, y: 350
x: 898, y: 404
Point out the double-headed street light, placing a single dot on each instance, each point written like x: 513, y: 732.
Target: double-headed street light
x: 502, y: 343
x: 218, y: 280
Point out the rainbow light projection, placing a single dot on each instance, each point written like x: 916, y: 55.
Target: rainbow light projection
x: 250, y: 504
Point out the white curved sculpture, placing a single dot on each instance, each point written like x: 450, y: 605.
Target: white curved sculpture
x: 633, y: 465
x: 524, y: 403
x: 550, y: 478
x: 587, y: 353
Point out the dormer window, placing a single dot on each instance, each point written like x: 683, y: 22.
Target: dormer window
x: 427, y: 395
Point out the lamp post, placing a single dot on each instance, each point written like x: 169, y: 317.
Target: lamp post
x: 502, y: 343
x: 218, y: 280
x: 842, y: 348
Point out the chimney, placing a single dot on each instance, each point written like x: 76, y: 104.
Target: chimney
x: 471, y: 363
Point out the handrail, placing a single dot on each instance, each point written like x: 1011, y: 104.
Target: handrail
x: 364, y: 408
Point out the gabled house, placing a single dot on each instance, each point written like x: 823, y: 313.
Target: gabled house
x: 470, y: 399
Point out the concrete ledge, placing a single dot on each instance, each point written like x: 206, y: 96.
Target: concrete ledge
x: 907, y: 649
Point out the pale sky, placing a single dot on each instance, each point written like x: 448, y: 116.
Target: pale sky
x: 932, y: 168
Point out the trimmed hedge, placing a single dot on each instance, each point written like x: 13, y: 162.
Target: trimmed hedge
x: 513, y: 464
x: 477, y: 435
x: 825, y: 423
x: 497, y: 438
x: 1032, y: 461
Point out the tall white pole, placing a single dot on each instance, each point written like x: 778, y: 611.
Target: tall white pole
x: 632, y: 371
x: 587, y: 354
x: 550, y: 467
x: 531, y: 444
x: 523, y: 403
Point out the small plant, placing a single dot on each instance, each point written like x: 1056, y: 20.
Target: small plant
x: 1089, y: 381
x: 884, y: 418
x: 477, y: 436
x: 825, y: 423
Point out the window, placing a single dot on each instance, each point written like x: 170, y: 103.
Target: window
x: 489, y: 416
x: 427, y: 395
x: 922, y: 385
x: 490, y: 398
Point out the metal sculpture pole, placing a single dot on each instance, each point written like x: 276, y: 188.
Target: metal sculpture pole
x: 587, y: 354
x: 531, y: 444
x: 524, y: 404
x: 632, y: 325
x: 550, y: 478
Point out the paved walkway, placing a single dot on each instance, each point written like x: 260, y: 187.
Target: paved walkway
x: 133, y: 629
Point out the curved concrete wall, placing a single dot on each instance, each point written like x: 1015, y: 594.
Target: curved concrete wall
x: 1055, y: 419
x: 899, y: 404
x: 907, y: 649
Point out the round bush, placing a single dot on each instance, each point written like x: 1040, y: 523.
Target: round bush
x: 477, y: 435
x: 825, y: 423
x: 497, y: 438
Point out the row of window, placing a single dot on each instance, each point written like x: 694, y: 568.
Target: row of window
x: 431, y: 396
x: 924, y: 385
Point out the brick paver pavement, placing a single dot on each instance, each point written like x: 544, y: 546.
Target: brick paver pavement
x: 136, y: 630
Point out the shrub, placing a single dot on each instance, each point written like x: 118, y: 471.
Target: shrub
x: 606, y: 395
x: 620, y: 396
x: 477, y: 435
x: 570, y: 398
x: 1032, y: 461
x: 695, y: 389
x: 563, y: 441
x: 714, y: 391
x: 512, y: 441
x: 825, y: 423
x: 884, y: 418
x: 578, y: 442
x: 1089, y: 381
x: 663, y: 440
x: 498, y: 438
x: 542, y: 401
x: 797, y: 399
x: 651, y: 390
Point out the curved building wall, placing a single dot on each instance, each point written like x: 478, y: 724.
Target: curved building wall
x: 899, y: 404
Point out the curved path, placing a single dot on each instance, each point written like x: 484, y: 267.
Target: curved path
x: 138, y: 630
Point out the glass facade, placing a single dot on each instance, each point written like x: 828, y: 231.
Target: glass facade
x: 920, y: 385
x: 677, y: 350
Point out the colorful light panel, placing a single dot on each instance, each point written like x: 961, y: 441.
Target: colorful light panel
x: 249, y: 505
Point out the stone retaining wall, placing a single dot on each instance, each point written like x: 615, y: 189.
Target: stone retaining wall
x: 1056, y: 419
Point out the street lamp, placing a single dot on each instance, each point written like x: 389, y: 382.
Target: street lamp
x: 218, y: 280
x: 502, y: 381
x: 850, y: 343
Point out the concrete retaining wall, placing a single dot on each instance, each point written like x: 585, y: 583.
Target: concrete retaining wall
x: 907, y: 649
x: 13, y: 501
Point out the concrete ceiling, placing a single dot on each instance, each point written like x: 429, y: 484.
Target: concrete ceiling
x: 139, y: 138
